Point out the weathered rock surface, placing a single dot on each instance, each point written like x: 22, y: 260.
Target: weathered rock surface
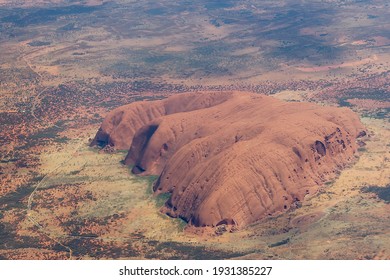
x: 232, y: 157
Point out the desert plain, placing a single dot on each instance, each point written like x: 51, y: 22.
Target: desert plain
x: 64, y: 65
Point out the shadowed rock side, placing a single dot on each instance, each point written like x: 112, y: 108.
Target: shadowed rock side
x: 121, y: 124
x: 232, y: 157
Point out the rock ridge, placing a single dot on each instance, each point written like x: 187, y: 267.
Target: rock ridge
x: 232, y: 157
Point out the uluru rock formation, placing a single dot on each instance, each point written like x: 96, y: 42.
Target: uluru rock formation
x: 232, y: 157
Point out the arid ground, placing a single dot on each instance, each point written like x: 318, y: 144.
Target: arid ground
x: 65, y: 64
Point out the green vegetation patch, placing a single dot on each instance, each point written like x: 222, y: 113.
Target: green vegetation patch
x: 280, y: 243
x: 375, y: 94
x: 49, y: 132
x: 177, y: 250
x: 378, y: 114
x: 215, y: 4
x: 33, y: 16
x: 38, y: 43
x: 382, y: 192
x: 162, y: 198
x: 15, y: 199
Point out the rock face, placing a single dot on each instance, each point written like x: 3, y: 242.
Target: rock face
x: 232, y: 157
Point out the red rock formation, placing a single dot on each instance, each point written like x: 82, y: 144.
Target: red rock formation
x: 232, y: 157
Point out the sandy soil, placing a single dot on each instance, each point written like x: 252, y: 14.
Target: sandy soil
x: 333, y: 219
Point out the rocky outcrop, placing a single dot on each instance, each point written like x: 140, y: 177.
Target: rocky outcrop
x: 232, y: 157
